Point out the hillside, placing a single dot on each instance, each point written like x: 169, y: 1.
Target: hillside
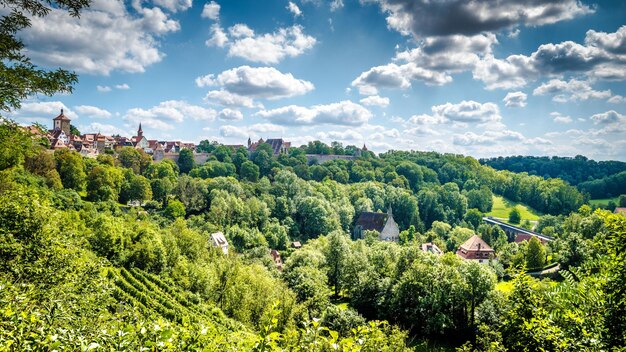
x: 502, y: 208
x: 116, y: 253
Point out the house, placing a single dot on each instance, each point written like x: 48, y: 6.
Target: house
x: 296, y: 245
x: 383, y: 223
x: 277, y: 260
x: 218, y: 240
x: 431, y: 248
x: 279, y: 146
x: 476, y: 249
x: 620, y: 210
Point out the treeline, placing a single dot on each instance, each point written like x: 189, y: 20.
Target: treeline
x: 610, y: 186
x: 575, y: 171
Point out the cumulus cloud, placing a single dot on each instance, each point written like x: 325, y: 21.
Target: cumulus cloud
x: 609, y: 117
x: 211, y: 10
x: 241, y: 85
x: 106, y: 37
x: 375, y: 100
x: 254, y: 131
x: 345, y: 113
x: 432, y: 62
x: 598, y: 58
x: 433, y: 18
x: 103, y: 89
x: 570, y: 90
x: 268, y: 48
x: 174, y: 5
x: 461, y: 114
x: 92, y: 111
x: 230, y: 115
x: 348, y: 135
x: 515, y: 100
x: 617, y: 99
x: 487, y: 138
x: 42, y: 112
x: 122, y: 86
x: 294, y: 9
x: 559, y: 118
x: 172, y: 111
x: 106, y: 129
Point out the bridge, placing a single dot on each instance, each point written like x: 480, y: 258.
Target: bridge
x: 517, y: 234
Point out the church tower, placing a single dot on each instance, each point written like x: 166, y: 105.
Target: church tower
x: 139, y: 132
x: 62, y: 123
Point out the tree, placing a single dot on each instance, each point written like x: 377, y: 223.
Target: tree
x: 74, y: 131
x: 20, y: 78
x: 186, y: 161
x: 514, y: 216
x: 140, y: 189
x: 337, y: 253
x: 622, y: 200
x: 71, y: 168
x: 249, y: 171
x: 175, y: 209
x: 535, y: 254
x: 129, y: 157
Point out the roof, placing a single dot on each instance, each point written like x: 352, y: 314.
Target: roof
x: 372, y: 221
x: 296, y: 244
x: 619, y: 210
x: 476, y: 244
x: 431, y: 248
x: 61, y: 117
x: 219, y: 239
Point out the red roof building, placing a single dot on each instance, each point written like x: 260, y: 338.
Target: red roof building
x: 476, y: 249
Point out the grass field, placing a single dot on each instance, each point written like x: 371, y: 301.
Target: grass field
x: 502, y: 207
x: 604, y: 201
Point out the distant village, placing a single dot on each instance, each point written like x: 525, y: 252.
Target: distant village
x: 93, y: 144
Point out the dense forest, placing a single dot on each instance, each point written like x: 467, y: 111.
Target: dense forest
x: 598, y: 179
x: 114, y: 253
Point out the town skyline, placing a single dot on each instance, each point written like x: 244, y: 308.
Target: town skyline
x: 540, y: 78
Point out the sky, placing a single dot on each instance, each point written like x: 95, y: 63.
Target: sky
x: 483, y: 78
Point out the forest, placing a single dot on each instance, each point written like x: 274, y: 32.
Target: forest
x: 598, y: 179
x: 114, y: 253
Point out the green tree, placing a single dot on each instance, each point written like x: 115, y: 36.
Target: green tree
x: 473, y: 217
x: 140, y: 189
x: 175, y: 209
x: 20, y: 78
x: 535, y: 254
x: 71, y: 168
x: 186, y: 161
x: 514, y: 216
x: 249, y: 171
x: 130, y: 157
x: 104, y: 183
x: 337, y: 253
x: 622, y: 200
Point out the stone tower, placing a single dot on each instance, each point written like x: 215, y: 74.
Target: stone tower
x: 62, y: 123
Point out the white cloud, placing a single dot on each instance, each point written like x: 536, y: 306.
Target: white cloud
x: 609, y: 117
x: 211, y: 10
x: 225, y: 98
x: 103, y: 89
x: 487, y: 138
x: 174, y: 5
x: 515, y: 100
x: 106, y: 37
x: 122, y: 86
x: 42, y: 111
x: 172, y: 111
x: 336, y: 5
x: 617, y: 99
x: 218, y: 37
x: 241, y: 85
x: 345, y: 113
x: 558, y: 118
x: 253, y: 131
x: 348, y: 135
x: 294, y: 9
x: 461, y: 114
x: 430, y: 18
x: 92, y: 111
x: 432, y: 62
x: 106, y: 129
x: 375, y: 100
x: 230, y: 115
x: 570, y: 91
x: 268, y: 48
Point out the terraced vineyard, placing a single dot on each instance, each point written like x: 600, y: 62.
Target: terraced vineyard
x: 153, y: 295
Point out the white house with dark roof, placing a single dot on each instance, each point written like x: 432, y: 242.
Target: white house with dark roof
x: 383, y: 223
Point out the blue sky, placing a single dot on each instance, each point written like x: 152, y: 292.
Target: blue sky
x: 481, y: 78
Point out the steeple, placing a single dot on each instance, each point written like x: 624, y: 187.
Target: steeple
x: 140, y: 131
x: 249, y: 142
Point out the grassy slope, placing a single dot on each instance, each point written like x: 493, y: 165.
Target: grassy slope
x: 502, y: 207
x: 604, y: 201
